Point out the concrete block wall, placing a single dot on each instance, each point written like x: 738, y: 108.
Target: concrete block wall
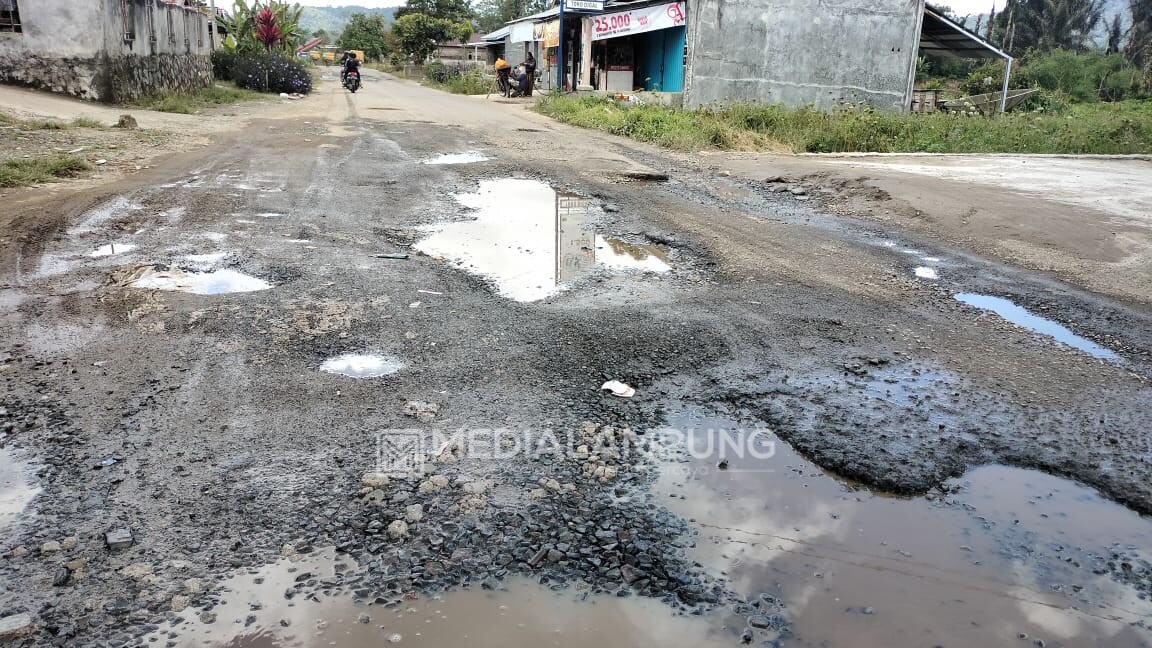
x: 802, y: 52
x: 79, y: 48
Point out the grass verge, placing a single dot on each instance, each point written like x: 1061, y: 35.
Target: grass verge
x: 469, y: 83
x: 218, y: 94
x: 23, y: 172
x: 48, y: 124
x: 1100, y: 128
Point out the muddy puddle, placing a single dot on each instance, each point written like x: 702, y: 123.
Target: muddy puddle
x: 16, y: 490
x: 255, y: 611
x: 1023, y: 318
x: 216, y: 282
x: 467, y: 157
x: 532, y: 242
x: 1007, y: 557
x: 362, y: 365
x: 112, y: 249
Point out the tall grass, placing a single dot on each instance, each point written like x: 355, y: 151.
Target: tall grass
x: 23, y: 172
x: 217, y: 94
x: 1123, y: 127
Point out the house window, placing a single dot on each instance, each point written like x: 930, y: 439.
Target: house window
x: 9, y: 16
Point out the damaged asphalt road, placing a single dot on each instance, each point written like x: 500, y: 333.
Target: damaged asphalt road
x: 169, y: 374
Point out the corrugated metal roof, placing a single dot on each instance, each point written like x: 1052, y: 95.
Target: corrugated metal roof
x: 499, y: 34
x: 943, y: 37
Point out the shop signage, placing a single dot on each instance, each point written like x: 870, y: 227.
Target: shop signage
x: 547, y: 33
x: 638, y: 21
x: 584, y: 5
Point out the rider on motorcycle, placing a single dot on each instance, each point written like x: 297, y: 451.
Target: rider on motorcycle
x: 348, y: 63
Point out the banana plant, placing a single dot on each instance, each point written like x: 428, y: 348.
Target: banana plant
x: 268, y: 25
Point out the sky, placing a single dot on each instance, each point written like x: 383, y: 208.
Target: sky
x: 965, y: 7
x: 359, y: 3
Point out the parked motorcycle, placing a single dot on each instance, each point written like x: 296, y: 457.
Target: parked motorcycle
x: 352, y: 81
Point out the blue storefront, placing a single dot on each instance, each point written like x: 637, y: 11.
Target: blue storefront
x: 640, y: 49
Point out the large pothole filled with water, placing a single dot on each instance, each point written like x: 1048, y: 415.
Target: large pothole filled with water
x: 532, y: 242
x: 1000, y: 555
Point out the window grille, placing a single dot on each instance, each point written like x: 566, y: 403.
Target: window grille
x: 9, y: 16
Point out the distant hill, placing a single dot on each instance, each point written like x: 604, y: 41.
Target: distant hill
x: 333, y: 19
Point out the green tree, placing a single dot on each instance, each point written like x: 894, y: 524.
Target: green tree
x: 453, y: 11
x: 1047, y: 25
x: 322, y: 34
x: 1138, y: 50
x: 366, y: 33
x: 418, y: 34
x: 493, y: 14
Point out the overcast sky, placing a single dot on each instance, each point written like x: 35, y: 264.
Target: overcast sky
x: 962, y: 7
x: 358, y: 3
x: 965, y: 7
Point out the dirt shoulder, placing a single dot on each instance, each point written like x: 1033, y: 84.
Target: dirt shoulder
x: 1083, y: 220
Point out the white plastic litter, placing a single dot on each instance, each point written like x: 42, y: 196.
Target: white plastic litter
x: 619, y: 389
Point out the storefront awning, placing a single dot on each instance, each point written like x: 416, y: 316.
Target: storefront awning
x: 942, y: 37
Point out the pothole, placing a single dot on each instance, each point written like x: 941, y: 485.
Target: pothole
x: 112, y: 249
x: 273, y: 608
x: 216, y: 282
x: 1002, y: 552
x: 15, y: 490
x: 1023, y: 318
x: 532, y: 242
x: 358, y: 365
x: 468, y: 157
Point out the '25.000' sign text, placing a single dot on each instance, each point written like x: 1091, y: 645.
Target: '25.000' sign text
x: 638, y: 21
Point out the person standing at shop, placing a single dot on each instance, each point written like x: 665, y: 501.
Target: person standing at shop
x: 530, y: 71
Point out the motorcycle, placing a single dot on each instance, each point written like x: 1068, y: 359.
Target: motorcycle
x: 352, y: 80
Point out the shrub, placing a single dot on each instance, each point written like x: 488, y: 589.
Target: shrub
x: 222, y: 62
x: 262, y: 71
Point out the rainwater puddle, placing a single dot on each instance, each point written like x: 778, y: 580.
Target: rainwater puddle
x: 467, y: 157
x: 1023, y: 318
x: 15, y: 490
x: 111, y: 249
x: 925, y: 272
x: 217, y: 282
x: 616, y: 253
x: 856, y: 568
x: 532, y: 242
x: 362, y: 365
x: 527, y: 614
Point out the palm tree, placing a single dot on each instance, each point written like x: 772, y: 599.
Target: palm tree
x: 1047, y: 24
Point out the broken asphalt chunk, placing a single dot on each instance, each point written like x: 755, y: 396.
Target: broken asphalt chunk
x: 118, y: 539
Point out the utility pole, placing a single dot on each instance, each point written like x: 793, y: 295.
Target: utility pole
x: 560, y: 52
x: 212, y: 25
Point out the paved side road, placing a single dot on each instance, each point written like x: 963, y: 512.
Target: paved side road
x: 177, y: 345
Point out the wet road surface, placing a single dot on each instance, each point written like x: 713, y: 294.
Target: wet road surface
x: 213, y: 359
